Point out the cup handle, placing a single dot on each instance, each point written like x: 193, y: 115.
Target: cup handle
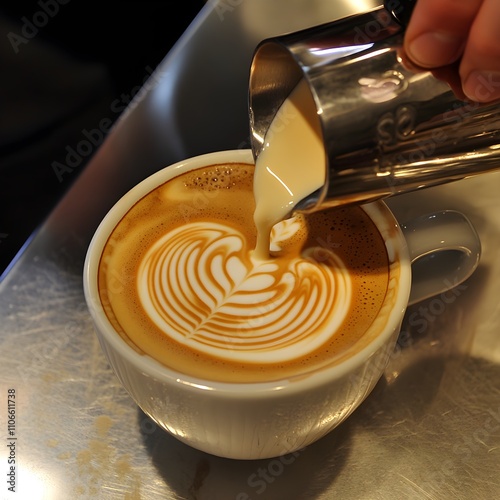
x: 444, y: 250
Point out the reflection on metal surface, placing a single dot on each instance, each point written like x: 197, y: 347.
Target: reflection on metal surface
x: 383, y: 89
x: 34, y: 486
x: 396, y: 125
x: 378, y: 113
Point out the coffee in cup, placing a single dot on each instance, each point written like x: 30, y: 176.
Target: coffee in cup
x: 181, y: 283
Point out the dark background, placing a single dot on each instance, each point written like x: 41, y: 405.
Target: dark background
x: 67, y: 70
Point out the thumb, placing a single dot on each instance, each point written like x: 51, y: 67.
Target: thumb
x: 438, y: 30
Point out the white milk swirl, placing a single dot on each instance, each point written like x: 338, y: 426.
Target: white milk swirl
x: 200, y: 286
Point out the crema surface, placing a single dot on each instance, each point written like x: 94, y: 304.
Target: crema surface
x: 181, y: 283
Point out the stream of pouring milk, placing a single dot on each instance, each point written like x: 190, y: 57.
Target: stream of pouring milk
x: 290, y: 166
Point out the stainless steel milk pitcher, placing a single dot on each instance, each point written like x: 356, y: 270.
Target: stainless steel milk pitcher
x: 388, y: 127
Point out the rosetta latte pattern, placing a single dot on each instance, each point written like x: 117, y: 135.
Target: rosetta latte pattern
x: 201, y: 287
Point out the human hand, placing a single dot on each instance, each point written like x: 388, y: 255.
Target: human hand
x: 443, y: 32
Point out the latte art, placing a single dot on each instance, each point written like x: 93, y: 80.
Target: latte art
x: 200, y: 285
x: 180, y: 280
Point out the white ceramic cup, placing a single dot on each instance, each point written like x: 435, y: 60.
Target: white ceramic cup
x: 269, y: 419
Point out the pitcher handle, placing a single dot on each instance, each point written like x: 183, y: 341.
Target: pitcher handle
x: 444, y: 250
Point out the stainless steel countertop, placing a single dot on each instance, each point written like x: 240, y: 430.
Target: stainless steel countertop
x: 430, y: 429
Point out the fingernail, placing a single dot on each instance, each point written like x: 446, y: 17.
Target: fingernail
x: 482, y: 86
x: 435, y: 49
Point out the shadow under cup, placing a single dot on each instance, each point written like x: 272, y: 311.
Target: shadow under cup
x: 261, y: 419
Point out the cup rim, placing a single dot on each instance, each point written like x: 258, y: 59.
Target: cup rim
x: 148, y: 365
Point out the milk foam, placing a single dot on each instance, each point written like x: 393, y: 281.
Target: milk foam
x: 202, y: 289
x: 201, y: 302
x: 291, y: 164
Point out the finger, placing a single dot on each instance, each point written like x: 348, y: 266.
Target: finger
x: 438, y: 30
x: 480, y: 66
